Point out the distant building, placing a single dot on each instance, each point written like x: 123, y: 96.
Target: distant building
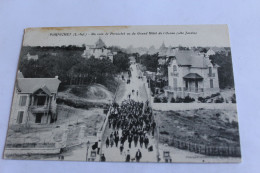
x: 31, y: 57
x: 191, y: 73
x: 210, y: 52
x: 34, y: 100
x: 99, y: 50
x: 132, y: 60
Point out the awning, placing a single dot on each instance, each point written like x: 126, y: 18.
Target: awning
x: 193, y: 76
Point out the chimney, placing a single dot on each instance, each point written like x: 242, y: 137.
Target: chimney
x: 57, y: 77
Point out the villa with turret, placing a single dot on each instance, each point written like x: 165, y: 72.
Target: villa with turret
x: 191, y: 74
x: 99, y: 50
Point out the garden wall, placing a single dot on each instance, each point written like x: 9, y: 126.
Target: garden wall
x: 192, y: 106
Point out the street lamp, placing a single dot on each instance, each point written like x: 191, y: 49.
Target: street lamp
x: 88, y: 144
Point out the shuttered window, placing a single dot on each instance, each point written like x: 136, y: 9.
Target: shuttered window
x: 211, y: 83
x: 19, y: 119
x: 22, y: 101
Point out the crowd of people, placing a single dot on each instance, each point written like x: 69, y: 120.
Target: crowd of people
x: 135, y: 122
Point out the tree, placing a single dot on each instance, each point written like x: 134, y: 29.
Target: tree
x: 225, y: 71
x: 121, y: 62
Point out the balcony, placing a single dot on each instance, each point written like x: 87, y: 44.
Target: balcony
x: 175, y: 74
x: 39, y: 108
x: 211, y: 75
x: 194, y: 90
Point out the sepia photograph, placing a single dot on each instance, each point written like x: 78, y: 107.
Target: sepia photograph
x: 125, y: 94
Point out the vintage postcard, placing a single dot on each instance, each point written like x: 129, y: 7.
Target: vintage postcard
x: 125, y: 94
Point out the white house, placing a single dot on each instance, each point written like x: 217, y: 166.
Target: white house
x: 193, y: 74
x: 210, y: 52
x: 99, y: 50
x: 34, y: 100
x: 32, y: 57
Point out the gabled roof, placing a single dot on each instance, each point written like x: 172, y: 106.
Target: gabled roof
x: 191, y: 58
x: 45, y: 89
x: 30, y: 85
x: 100, y: 44
x: 193, y: 76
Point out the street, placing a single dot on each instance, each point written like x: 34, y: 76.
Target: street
x: 113, y: 153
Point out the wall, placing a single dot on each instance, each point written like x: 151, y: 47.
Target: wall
x: 191, y: 106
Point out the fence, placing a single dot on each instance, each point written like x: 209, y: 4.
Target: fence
x: 232, y: 151
x: 30, y: 145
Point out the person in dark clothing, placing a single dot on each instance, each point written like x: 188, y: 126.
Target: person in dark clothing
x: 135, y: 139
x: 141, y: 141
x: 128, y: 157
x: 122, y: 140
x: 107, y: 142
x: 146, y: 141
x: 121, y: 148
x: 130, y: 138
x: 116, y: 140
x: 102, y: 158
x: 138, y: 155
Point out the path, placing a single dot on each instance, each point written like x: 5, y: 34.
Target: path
x: 113, y: 153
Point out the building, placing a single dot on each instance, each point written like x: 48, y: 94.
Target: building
x: 32, y: 57
x: 34, y: 100
x: 99, y: 50
x: 191, y: 74
x: 210, y: 52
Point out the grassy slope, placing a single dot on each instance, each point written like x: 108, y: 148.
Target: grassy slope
x: 210, y: 127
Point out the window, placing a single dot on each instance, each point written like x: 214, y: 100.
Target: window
x: 174, y: 68
x: 210, y: 71
x: 41, y: 100
x: 22, y: 101
x: 19, y: 119
x: 211, y: 83
x: 38, y: 118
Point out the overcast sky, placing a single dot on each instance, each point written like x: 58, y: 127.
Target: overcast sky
x: 188, y: 35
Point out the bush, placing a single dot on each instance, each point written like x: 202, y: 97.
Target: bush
x: 164, y: 133
x: 156, y: 100
x: 188, y: 99
x: 214, y: 95
x: 164, y: 100
x: 179, y: 100
x: 233, y: 99
x: 172, y: 100
x: 202, y: 100
x: 234, y: 124
x: 219, y: 100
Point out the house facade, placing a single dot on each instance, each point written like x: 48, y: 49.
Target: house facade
x: 34, y: 100
x: 191, y: 74
x: 99, y: 50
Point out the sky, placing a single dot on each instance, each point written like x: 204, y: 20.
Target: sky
x: 124, y: 36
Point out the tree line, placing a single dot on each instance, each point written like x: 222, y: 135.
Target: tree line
x: 72, y: 69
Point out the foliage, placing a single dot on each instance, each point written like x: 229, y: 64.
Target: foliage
x: 202, y: 100
x: 150, y: 61
x: 156, y: 100
x: 173, y: 100
x: 121, y: 61
x: 233, y: 98
x: 225, y: 71
x: 179, y: 100
x: 188, y: 99
x: 219, y: 100
x: 164, y: 100
x: 67, y: 63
